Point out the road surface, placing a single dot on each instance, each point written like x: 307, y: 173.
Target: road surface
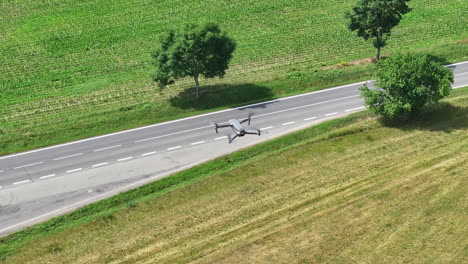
x: 40, y: 184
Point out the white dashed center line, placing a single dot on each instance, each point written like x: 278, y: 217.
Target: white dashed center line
x: 100, y: 164
x: 310, y: 118
x: 66, y: 157
x: 330, y: 114
x: 29, y: 165
x: 218, y: 138
x: 357, y: 108
x: 265, y: 128
x: 124, y: 159
x: 116, y: 146
x: 75, y: 170
x: 47, y: 176
x: 2, y: 171
x: 174, y: 148
x: 21, y: 182
x: 199, y: 142
x: 149, y: 153
x: 289, y: 123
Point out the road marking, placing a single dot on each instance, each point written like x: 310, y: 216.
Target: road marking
x: 124, y: 159
x: 174, y: 148
x: 149, y: 153
x: 303, y: 106
x: 265, y: 128
x: 460, y: 86
x: 106, y: 194
x: 289, y: 123
x: 330, y: 114
x: 199, y: 142
x: 70, y: 171
x: 310, y: 118
x: 116, y: 146
x: 357, y: 108
x: 461, y: 74
x: 218, y: 138
x: 66, y: 157
x: 100, y: 164
x: 20, y: 182
x: 2, y: 171
x: 29, y: 165
x: 171, y: 134
x: 198, y: 116
x: 47, y: 176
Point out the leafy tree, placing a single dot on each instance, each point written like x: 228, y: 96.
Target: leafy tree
x: 195, y: 51
x: 405, y: 83
x: 374, y: 19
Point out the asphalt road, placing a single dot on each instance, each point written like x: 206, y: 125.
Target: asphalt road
x: 40, y: 184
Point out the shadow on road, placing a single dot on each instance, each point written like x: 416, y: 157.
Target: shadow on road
x: 215, y: 96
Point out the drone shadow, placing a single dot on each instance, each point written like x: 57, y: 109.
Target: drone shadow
x: 215, y: 96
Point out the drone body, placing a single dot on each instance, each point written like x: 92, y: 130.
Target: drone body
x: 238, y: 129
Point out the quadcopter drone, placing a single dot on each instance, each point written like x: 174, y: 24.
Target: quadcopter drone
x: 238, y: 129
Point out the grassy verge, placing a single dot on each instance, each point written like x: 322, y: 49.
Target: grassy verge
x: 349, y: 188
x: 21, y: 136
x: 74, y: 71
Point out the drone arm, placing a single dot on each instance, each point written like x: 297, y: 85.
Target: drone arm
x: 232, y: 138
x: 245, y: 120
x: 220, y: 126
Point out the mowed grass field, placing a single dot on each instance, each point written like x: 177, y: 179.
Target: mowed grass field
x: 362, y: 192
x: 72, y: 69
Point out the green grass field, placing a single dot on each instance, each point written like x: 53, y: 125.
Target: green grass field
x: 75, y: 69
x: 350, y: 190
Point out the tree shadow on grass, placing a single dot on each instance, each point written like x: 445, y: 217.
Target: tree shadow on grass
x: 215, y: 96
x: 439, y: 117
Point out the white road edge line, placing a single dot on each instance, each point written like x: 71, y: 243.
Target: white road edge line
x: 20, y: 182
x: 460, y: 86
x: 218, y: 138
x: 47, y: 176
x: 174, y: 148
x: 113, y: 192
x: 265, y: 128
x: 310, y: 118
x: 460, y: 74
x: 100, y: 164
x: 149, y: 153
x: 330, y: 114
x: 124, y: 159
x: 197, y: 143
x: 192, y: 117
x: 357, y: 108
x: 29, y: 165
x: 70, y: 171
x: 288, y: 123
x: 116, y: 146
x: 66, y: 157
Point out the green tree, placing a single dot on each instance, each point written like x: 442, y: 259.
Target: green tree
x: 195, y: 51
x: 405, y: 83
x: 374, y: 19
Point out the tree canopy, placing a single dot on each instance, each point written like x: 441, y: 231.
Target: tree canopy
x: 374, y: 19
x: 194, y: 51
x: 405, y: 83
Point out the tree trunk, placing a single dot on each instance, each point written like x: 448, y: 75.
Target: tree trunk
x: 197, y: 85
x: 379, y: 43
